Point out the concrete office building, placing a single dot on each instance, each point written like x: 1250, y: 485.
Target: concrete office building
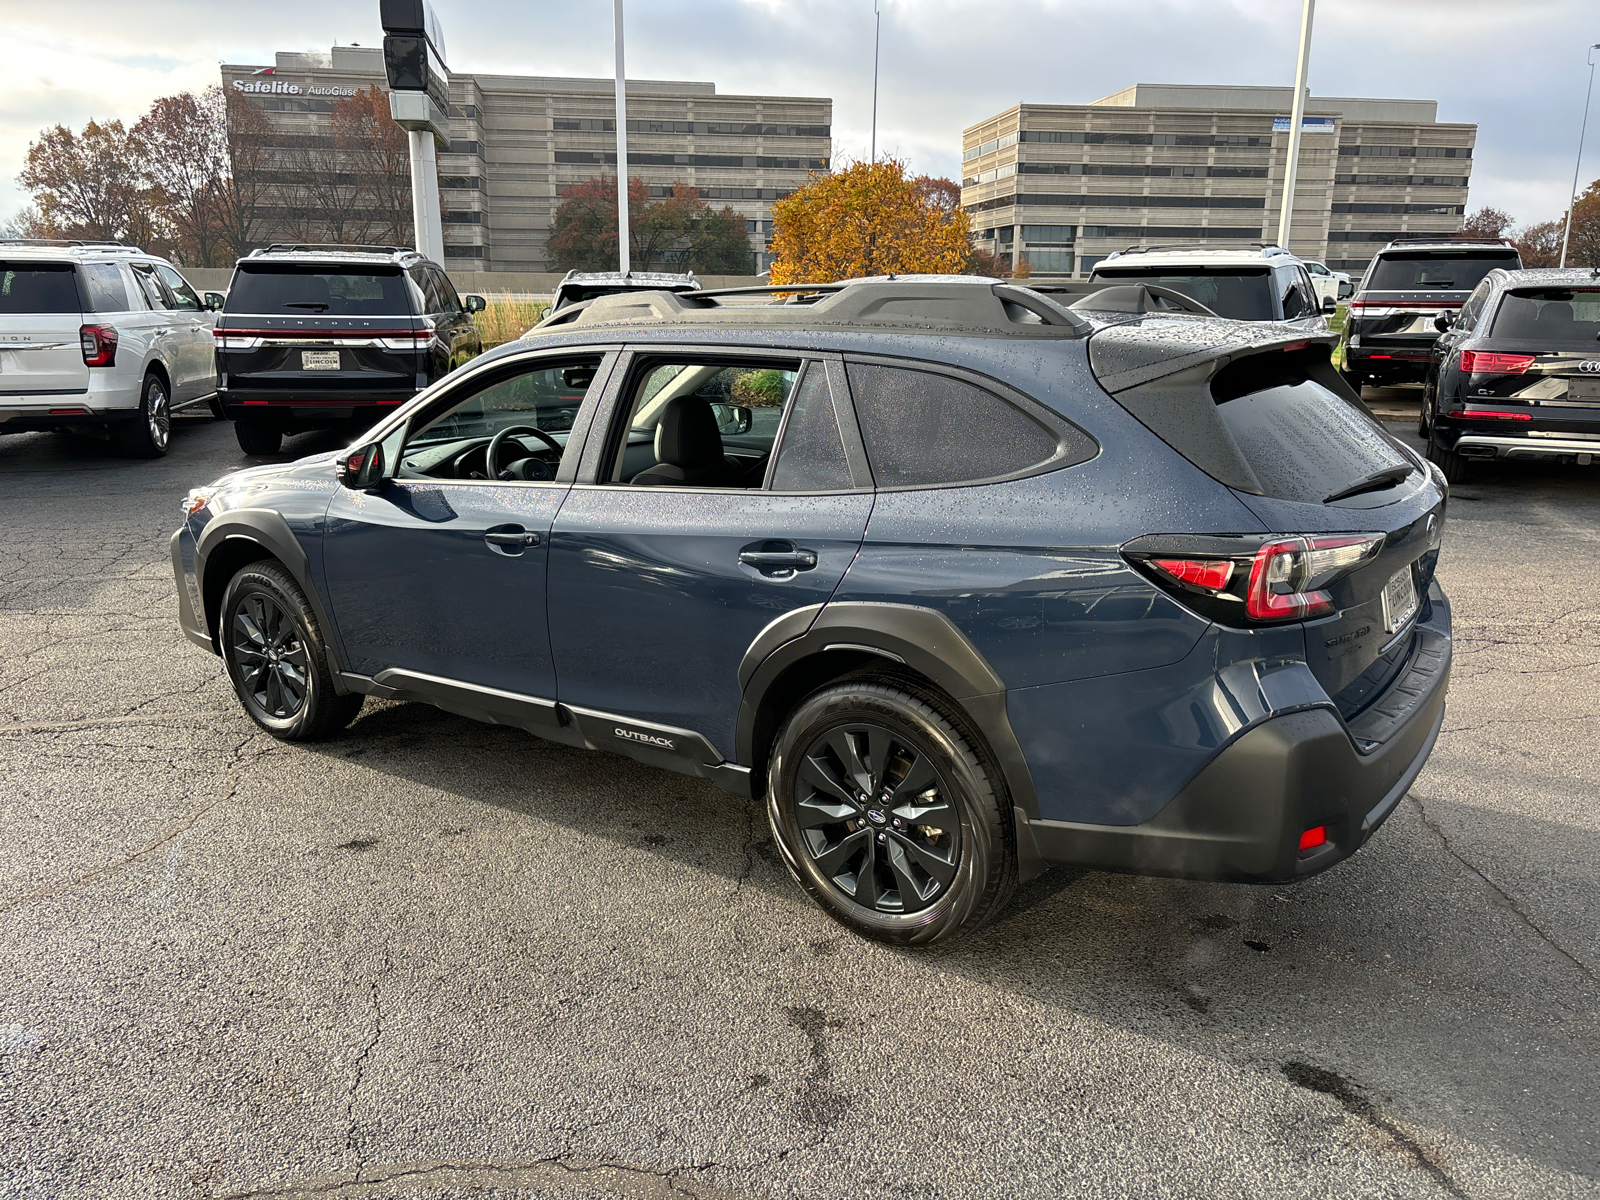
x: 1066, y: 184
x: 517, y: 142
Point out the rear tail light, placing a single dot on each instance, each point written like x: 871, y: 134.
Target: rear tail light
x: 411, y: 339
x: 1481, y: 362
x: 1283, y: 579
x: 1485, y: 414
x: 99, y: 344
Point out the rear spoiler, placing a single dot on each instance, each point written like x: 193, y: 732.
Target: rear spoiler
x: 1134, y: 353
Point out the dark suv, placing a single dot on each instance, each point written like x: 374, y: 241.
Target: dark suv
x: 317, y: 336
x: 1516, y: 374
x: 1389, y: 327
x: 958, y: 581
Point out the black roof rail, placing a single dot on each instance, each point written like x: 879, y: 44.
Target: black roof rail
x: 80, y: 243
x: 341, y: 247
x: 1203, y: 245
x: 1452, y: 239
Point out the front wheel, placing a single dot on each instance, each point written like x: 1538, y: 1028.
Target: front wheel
x: 149, y: 433
x: 277, y: 659
x: 889, y: 816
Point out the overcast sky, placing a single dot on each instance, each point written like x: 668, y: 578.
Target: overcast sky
x: 1516, y: 67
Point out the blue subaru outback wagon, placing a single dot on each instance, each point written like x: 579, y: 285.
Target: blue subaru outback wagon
x: 959, y: 581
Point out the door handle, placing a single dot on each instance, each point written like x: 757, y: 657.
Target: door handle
x: 795, y: 560
x: 512, y: 537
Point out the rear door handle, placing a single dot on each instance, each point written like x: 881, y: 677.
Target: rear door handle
x: 799, y: 560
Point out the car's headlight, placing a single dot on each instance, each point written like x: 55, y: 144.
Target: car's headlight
x: 195, y: 500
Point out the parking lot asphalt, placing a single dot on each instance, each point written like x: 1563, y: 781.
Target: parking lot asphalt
x: 437, y: 959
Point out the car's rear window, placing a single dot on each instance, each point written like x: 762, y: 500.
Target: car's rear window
x: 1401, y: 272
x: 1305, y: 443
x: 1550, y: 315
x: 1240, y: 293
x: 38, y: 288
x: 107, y: 291
x: 291, y: 290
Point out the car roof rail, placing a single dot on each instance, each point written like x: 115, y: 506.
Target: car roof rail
x: 1267, y: 248
x: 917, y: 306
x: 74, y: 244
x: 328, y: 248
x: 1446, y: 239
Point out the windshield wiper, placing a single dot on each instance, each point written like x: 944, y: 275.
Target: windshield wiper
x: 1375, y: 482
x: 316, y: 304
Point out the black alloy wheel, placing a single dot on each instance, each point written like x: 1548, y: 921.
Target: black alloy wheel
x: 876, y: 818
x: 890, y: 813
x: 272, y: 657
x: 277, y: 659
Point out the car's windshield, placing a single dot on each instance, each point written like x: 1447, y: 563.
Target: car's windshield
x: 1242, y: 293
x: 1440, y: 272
x: 38, y: 288
x: 1550, y: 315
x: 321, y: 290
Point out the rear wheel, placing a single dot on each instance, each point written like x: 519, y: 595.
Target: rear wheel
x: 254, y: 439
x: 149, y: 433
x: 890, y: 816
x: 1455, y: 467
x: 277, y: 659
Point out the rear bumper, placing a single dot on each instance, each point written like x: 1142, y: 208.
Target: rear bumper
x: 1575, y: 450
x: 1399, y: 365
x: 1240, y: 818
x: 66, y: 415
x: 307, y: 409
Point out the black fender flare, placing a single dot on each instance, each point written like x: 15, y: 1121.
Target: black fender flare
x: 271, y: 532
x: 922, y: 639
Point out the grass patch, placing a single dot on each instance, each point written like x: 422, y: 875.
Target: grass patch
x: 506, y: 318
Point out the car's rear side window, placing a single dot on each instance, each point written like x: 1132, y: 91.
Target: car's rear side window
x: 811, y: 454
x: 107, y: 290
x: 1241, y: 294
x: 1305, y: 443
x: 38, y: 288
x: 923, y: 429
x: 320, y: 290
x: 1549, y: 315
x: 1401, y: 272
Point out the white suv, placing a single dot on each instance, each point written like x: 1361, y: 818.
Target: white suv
x: 100, y: 337
x: 1258, y: 283
x: 1329, y: 282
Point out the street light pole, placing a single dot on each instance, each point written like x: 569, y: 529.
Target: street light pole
x: 622, y: 144
x: 1291, y: 166
x: 1578, y: 166
x: 877, y: 31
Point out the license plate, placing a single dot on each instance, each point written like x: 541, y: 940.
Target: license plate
x: 319, y: 360
x: 1399, y: 600
x: 1583, y: 389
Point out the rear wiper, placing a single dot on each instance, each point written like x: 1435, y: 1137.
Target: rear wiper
x: 1375, y: 482
x: 316, y: 304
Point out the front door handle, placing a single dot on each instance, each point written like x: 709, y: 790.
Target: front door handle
x: 510, y: 539
x: 777, y: 558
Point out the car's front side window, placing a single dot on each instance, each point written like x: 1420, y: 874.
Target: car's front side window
x: 702, y: 423
x: 525, y: 417
x: 184, y: 294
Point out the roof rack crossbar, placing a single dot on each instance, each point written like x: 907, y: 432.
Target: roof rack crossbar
x: 1453, y: 239
x: 1204, y: 245
x: 776, y: 289
x: 296, y: 247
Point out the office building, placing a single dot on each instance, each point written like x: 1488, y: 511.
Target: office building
x: 1065, y: 185
x: 517, y: 143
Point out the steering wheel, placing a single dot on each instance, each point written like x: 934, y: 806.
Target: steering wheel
x: 491, y: 458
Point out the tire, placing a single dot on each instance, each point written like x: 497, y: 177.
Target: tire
x: 857, y: 859
x: 149, y: 433
x: 216, y: 409
x: 255, y: 439
x: 1456, y: 468
x: 276, y: 657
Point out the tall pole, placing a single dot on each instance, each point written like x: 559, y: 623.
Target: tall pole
x: 1578, y: 166
x: 425, y: 195
x: 1291, y: 165
x: 622, y: 144
x: 877, y: 31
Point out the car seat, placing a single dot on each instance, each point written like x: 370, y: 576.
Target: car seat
x: 689, y: 449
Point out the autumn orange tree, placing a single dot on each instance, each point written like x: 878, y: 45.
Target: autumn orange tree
x: 870, y: 218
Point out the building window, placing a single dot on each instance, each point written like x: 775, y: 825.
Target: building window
x: 457, y: 146
x: 466, y: 252
x: 990, y: 147
x: 1049, y: 262
x: 1061, y: 234
x: 461, y: 182
x: 461, y: 217
x: 1366, y: 151
x: 1442, y: 210
x: 1172, y: 231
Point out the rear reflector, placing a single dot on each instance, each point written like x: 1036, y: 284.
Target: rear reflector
x: 1480, y: 362
x: 1484, y: 414
x: 79, y: 411
x: 1314, y: 837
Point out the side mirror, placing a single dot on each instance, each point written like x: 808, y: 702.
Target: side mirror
x: 1346, y: 290
x: 733, y: 418
x: 1329, y: 304
x: 215, y: 301
x: 474, y: 304
x: 1444, y: 321
x: 361, y: 468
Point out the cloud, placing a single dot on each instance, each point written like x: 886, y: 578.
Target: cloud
x: 945, y: 64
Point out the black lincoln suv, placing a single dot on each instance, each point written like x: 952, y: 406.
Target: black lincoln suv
x: 316, y: 336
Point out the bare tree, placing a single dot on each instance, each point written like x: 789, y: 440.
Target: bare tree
x: 183, y: 143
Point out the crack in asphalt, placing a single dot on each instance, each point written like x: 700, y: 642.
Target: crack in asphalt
x: 1509, y: 901
x: 1349, y: 1096
x: 359, y: 1069
x: 564, y: 1170
x: 182, y: 826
